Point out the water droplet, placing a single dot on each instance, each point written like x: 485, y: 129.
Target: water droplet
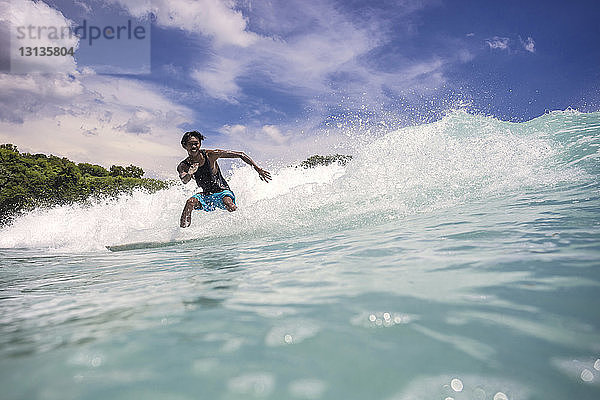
x: 372, y: 318
x: 587, y: 375
x: 387, y: 316
x: 597, y: 365
x: 500, y: 396
x: 288, y: 338
x: 96, y: 361
x: 456, y: 385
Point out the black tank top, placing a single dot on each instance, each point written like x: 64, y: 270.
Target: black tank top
x: 209, y: 182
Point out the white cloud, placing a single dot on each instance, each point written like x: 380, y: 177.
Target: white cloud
x: 36, y: 96
x: 308, y: 55
x: 233, y: 130
x: 308, y: 60
x: 504, y: 43
x: 51, y: 29
x: 269, y: 134
x: 498, y: 42
x: 275, y: 134
x: 282, y: 145
x: 529, y: 44
x: 303, y: 61
x: 87, y: 117
x: 218, y: 78
x: 215, y: 18
x: 302, y: 49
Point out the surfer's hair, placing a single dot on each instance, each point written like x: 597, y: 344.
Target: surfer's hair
x: 188, y: 135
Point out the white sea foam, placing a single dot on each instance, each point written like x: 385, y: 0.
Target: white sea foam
x: 457, y: 160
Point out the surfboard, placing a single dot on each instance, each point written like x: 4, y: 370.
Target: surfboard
x: 143, y: 245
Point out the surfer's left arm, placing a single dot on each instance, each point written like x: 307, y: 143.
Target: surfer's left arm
x: 264, y: 175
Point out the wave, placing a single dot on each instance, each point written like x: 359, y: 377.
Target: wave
x: 460, y: 159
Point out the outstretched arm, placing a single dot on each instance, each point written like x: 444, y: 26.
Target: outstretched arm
x: 215, y: 154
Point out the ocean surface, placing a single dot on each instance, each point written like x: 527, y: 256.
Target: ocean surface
x: 453, y: 260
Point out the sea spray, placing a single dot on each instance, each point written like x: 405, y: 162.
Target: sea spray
x: 455, y: 161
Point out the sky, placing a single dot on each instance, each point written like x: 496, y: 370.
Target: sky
x: 281, y: 79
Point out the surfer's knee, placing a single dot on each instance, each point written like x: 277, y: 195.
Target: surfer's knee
x: 229, y: 204
x: 192, y: 202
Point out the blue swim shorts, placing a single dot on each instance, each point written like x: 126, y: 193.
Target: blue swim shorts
x: 210, y: 202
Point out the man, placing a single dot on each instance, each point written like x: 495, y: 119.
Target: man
x: 202, y: 165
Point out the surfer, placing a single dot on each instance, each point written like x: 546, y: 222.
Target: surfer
x: 202, y: 165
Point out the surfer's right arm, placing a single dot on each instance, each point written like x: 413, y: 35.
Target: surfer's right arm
x: 185, y: 173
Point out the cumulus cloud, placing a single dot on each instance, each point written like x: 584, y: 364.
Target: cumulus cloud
x: 50, y: 28
x: 497, y: 42
x: 312, y: 44
x: 308, y: 61
x: 268, y: 141
x: 26, y: 96
x: 528, y: 45
x: 314, y: 52
x: 288, y: 143
x: 234, y: 130
x: 305, y: 49
x: 504, y: 43
x: 270, y: 134
x: 303, y: 61
x: 218, y: 78
x: 319, y: 53
x: 275, y: 134
x: 140, y: 122
x: 215, y: 18
x: 90, y: 117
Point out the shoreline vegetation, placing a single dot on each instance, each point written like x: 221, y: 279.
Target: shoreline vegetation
x: 316, y: 160
x: 29, y: 181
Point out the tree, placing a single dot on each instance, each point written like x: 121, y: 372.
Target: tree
x: 117, y: 170
x: 32, y: 180
x: 9, y: 146
x: 133, y: 172
x: 92, y: 169
x: 315, y: 160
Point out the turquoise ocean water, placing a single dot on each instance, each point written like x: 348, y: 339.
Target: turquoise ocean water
x: 453, y: 260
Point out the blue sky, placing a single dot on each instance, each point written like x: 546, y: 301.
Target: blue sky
x: 286, y: 79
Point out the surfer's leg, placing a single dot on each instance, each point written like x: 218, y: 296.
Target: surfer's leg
x: 228, y: 201
x: 186, y: 215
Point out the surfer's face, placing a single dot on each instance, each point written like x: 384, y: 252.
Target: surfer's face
x: 192, y: 145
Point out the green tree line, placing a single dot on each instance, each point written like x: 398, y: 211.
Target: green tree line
x: 315, y: 160
x: 33, y: 180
